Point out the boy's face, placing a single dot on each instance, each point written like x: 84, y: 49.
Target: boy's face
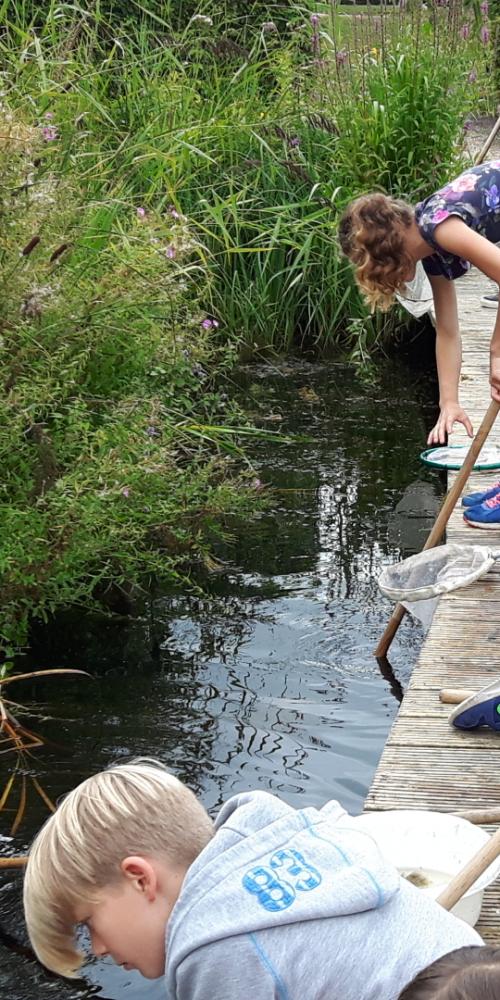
x: 128, y: 921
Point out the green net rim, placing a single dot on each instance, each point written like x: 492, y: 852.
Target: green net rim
x: 455, y: 466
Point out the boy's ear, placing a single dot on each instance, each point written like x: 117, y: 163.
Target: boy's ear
x: 141, y: 873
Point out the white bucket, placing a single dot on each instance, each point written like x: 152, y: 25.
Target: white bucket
x: 437, y: 845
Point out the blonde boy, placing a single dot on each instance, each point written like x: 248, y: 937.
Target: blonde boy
x: 268, y: 902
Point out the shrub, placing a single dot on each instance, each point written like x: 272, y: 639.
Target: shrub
x: 115, y: 442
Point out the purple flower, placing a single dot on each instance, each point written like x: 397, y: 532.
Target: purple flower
x: 472, y: 76
x: 315, y: 44
x: 294, y: 143
x: 141, y: 212
x: 50, y: 133
x: 173, y: 212
x: 125, y: 491
x: 152, y: 432
x: 210, y: 324
x: 50, y: 114
x: 492, y: 197
x: 484, y: 34
x: 465, y: 31
x: 314, y: 20
x: 170, y: 251
x: 484, y: 7
x: 341, y: 57
x: 257, y: 484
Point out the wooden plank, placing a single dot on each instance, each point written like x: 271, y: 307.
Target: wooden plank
x: 426, y: 763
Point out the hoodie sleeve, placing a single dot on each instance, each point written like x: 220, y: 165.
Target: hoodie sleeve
x: 236, y: 967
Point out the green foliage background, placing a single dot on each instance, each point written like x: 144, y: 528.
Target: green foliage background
x: 170, y: 191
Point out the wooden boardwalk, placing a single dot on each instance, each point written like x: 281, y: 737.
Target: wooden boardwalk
x: 426, y: 764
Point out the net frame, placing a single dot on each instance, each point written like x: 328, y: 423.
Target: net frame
x: 479, y: 466
x: 436, y: 571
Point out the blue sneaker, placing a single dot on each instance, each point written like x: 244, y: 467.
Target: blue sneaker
x: 474, y: 499
x: 486, y: 515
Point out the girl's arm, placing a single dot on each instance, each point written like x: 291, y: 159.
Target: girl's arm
x: 448, y: 359
x: 454, y: 235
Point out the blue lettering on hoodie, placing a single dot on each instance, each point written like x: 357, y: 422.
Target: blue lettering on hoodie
x: 275, y: 893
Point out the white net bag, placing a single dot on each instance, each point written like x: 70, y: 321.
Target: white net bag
x: 436, y: 571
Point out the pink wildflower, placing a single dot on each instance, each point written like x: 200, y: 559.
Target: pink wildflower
x: 125, y: 491
x: 484, y: 34
x: 141, y: 212
x: 170, y: 251
x: 472, y: 76
x: 465, y: 31
x: 50, y: 133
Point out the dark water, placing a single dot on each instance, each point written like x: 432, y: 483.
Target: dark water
x: 268, y: 681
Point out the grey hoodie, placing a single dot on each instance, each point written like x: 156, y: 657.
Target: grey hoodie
x: 299, y: 905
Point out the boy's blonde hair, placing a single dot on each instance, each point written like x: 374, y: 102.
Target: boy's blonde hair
x: 137, y: 808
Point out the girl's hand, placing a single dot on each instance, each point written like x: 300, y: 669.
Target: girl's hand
x: 495, y: 377
x: 450, y: 414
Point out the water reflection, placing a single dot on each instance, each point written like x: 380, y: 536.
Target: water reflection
x: 269, y: 680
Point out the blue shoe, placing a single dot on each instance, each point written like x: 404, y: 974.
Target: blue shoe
x: 485, y: 515
x: 474, y: 499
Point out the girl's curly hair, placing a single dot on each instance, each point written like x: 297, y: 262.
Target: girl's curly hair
x: 371, y: 234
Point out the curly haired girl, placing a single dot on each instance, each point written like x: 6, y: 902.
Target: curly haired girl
x: 455, y: 227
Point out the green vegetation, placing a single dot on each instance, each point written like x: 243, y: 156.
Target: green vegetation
x: 170, y: 190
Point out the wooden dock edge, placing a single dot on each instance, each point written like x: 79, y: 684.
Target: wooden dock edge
x: 426, y: 764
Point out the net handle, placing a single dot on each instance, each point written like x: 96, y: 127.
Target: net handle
x: 443, y: 517
x: 463, y: 880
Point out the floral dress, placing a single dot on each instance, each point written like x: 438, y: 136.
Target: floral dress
x: 475, y: 197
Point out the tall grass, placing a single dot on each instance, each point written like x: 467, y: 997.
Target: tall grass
x: 259, y: 147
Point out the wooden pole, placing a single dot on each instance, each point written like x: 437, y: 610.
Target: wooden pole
x: 16, y: 862
x: 480, y: 816
x: 484, y: 149
x: 465, y: 878
x: 454, y: 696
x: 444, y: 516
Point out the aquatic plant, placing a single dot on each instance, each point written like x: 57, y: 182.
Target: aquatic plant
x: 18, y: 739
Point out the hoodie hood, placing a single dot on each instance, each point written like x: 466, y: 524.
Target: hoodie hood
x: 270, y: 865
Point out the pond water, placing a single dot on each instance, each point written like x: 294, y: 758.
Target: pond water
x: 268, y: 680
